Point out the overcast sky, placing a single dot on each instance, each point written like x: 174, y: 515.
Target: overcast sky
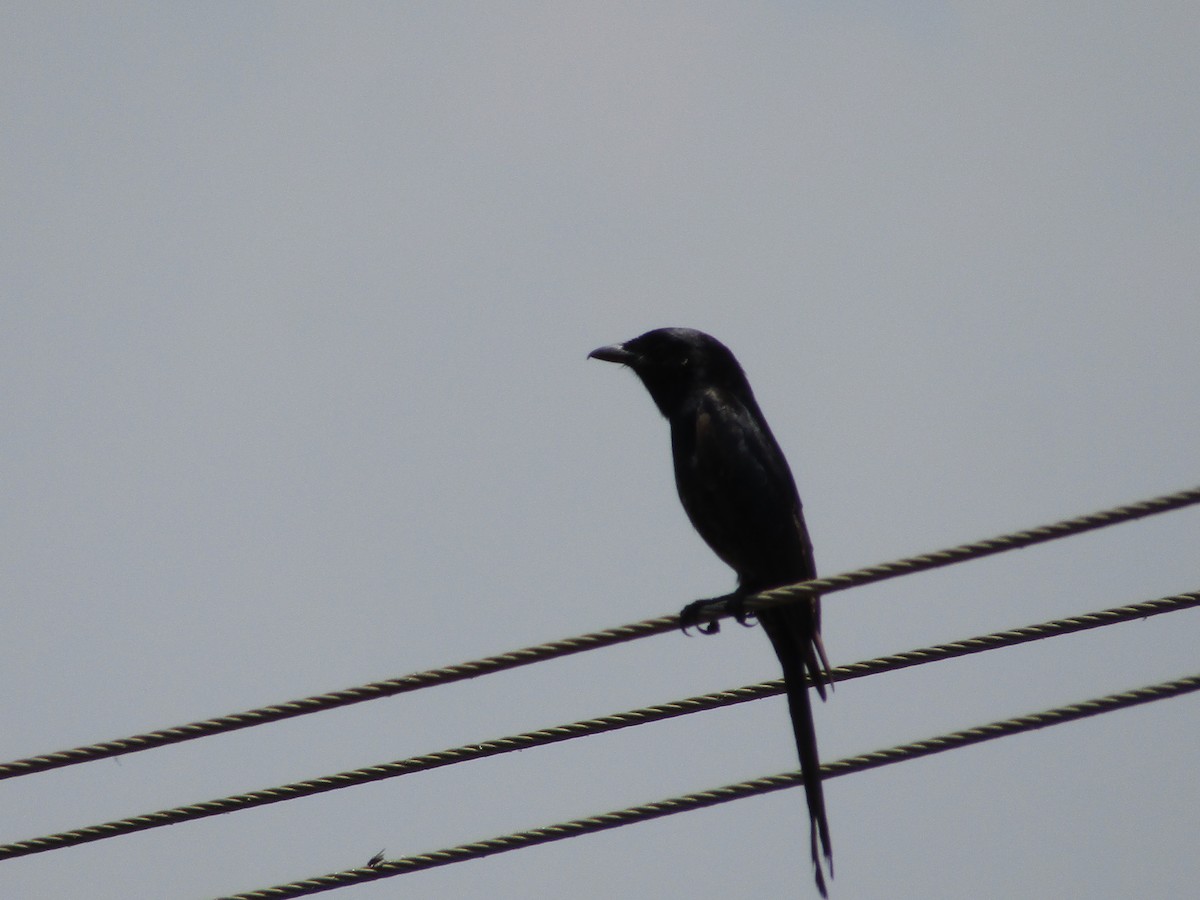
x: 297, y: 304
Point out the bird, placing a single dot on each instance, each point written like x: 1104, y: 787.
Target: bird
x: 738, y: 491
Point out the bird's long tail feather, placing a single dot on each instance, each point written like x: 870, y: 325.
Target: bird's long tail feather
x: 794, y: 657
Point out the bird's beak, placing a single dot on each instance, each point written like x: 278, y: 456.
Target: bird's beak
x: 615, y: 353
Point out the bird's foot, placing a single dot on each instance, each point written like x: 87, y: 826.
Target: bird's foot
x: 736, y: 607
x: 733, y: 604
x: 689, y: 617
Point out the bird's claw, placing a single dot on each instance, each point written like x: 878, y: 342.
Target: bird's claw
x: 734, y: 605
x: 689, y: 617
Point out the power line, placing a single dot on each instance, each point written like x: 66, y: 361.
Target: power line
x: 594, y: 640
x: 1016, y: 540
x: 390, y: 867
x: 586, y: 727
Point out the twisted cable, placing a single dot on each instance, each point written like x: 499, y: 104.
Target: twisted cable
x: 1016, y: 540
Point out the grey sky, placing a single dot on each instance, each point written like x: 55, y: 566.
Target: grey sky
x: 297, y: 303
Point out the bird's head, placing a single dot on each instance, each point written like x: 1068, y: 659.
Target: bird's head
x: 675, y: 362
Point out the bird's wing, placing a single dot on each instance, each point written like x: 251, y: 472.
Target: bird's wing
x: 739, y: 493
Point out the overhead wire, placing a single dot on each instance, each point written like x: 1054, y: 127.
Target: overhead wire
x: 553, y: 649
x: 387, y: 868
x: 586, y: 727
